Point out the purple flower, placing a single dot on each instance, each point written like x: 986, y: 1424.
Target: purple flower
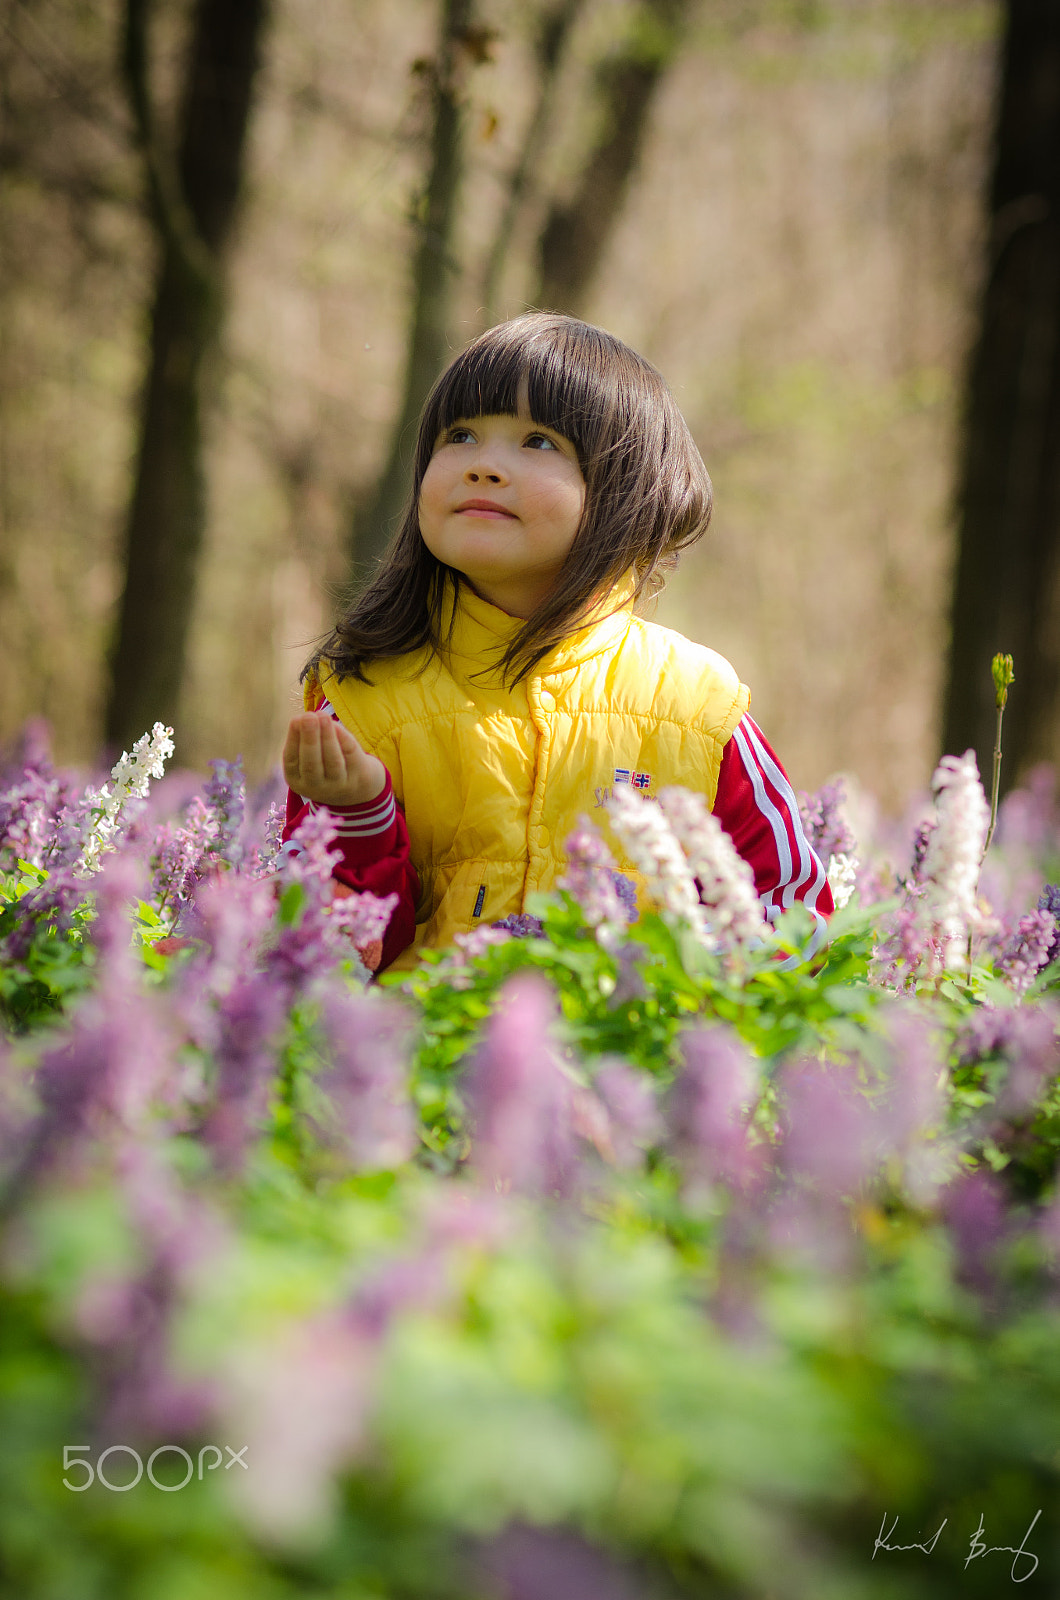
x: 913, y: 1103
x: 1029, y: 818
x: 264, y: 857
x: 183, y: 855
x: 1049, y: 900
x: 974, y: 1211
x: 591, y: 879
x: 921, y: 843
x: 626, y: 890
x: 130, y: 1320
x: 231, y: 915
x: 327, y: 928
x: 519, y: 1098
x: 52, y: 904
x: 873, y: 882
x: 1022, y: 1036
x: 1027, y: 950
x: 825, y: 824
x: 1034, y: 1052
x: 526, y: 1563
x: 250, y: 1021
x: 367, y: 1079
x: 114, y: 1071
x: 299, y: 1400
x: 634, y: 1122
x: 830, y: 1136
x: 226, y: 798
x: 708, y: 1106
x: 467, y: 947
x: 306, y: 858
x: 906, y: 948
x: 29, y: 752
x: 987, y: 1031
x: 28, y: 813
x: 520, y: 925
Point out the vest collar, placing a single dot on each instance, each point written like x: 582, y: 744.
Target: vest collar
x: 481, y: 631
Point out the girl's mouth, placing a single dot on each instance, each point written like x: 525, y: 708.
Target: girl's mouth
x: 484, y: 508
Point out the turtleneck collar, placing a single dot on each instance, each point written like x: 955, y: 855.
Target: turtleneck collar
x: 482, y: 632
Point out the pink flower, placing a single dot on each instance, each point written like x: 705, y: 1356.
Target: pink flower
x: 590, y: 878
x: 826, y: 826
x: 830, y: 1137
x: 708, y: 1107
x: 634, y: 1122
x: 366, y: 1081
x: 1027, y: 950
x: 974, y: 1211
x: 519, y: 1098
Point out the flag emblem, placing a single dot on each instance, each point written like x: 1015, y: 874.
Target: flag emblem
x: 623, y: 775
x: 642, y: 780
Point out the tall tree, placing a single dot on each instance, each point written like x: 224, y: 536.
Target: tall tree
x: 555, y: 24
x: 192, y: 198
x: 1007, y: 587
x: 459, y: 42
x: 577, y: 231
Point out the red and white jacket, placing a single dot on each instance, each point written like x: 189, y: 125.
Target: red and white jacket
x: 755, y: 804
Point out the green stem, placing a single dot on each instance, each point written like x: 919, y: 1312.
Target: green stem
x: 995, y: 782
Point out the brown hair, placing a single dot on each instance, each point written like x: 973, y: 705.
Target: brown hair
x: 647, y: 493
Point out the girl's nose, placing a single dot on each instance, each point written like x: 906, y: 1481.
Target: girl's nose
x: 484, y: 469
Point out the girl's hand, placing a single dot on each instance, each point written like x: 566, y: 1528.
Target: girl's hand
x: 322, y: 761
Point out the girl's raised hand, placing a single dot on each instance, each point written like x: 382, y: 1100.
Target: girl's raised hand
x: 322, y: 761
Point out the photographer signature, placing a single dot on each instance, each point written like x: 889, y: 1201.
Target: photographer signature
x: 978, y: 1545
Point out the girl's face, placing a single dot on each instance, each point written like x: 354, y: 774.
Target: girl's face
x: 500, y: 502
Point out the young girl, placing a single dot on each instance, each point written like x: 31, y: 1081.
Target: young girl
x: 493, y: 683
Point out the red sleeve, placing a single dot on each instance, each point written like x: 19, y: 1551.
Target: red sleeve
x: 375, y: 859
x: 756, y: 806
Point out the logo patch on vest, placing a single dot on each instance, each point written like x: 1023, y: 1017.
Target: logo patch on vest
x: 636, y: 780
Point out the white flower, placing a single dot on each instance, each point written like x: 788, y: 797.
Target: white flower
x: 726, y: 881
x: 131, y: 778
x: 950, y: 868
x: 649, y: 842
x: 842, y: 875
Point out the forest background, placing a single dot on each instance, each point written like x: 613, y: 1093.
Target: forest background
x: 800, y: 240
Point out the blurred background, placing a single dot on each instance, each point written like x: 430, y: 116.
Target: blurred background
x: 240, y: 239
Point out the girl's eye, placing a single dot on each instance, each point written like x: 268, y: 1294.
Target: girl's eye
x: 539, y: 441
x: 459, y: 435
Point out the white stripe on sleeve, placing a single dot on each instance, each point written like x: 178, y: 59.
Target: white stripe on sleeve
x: 783, y: 814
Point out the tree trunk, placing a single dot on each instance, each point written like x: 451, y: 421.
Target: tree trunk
x: 576, y: 234
x: 432, y: 286
x: 554, y: 29
x: 1007, y: 587
x: 193, y: 203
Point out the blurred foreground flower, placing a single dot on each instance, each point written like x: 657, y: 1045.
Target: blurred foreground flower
x: 519, y: 1098
x: 708, y: 1107
x: 366, y: 1080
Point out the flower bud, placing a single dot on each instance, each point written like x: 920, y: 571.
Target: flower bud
x: 1001, y: 667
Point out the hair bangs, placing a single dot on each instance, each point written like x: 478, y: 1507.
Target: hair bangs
x: 548, y: 362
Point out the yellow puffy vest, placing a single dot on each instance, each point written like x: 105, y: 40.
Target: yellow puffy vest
x: 493, y: 779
